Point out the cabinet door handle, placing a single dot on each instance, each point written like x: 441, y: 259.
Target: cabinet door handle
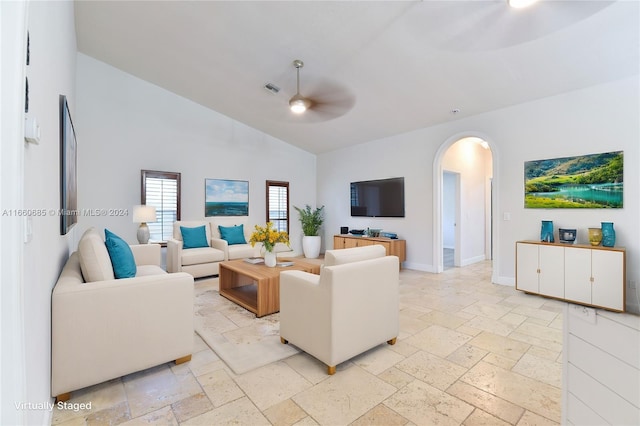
x: 592, y: 279
x: 538, y: 270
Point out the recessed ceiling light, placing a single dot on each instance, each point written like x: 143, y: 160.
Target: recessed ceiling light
x: 519, y: 4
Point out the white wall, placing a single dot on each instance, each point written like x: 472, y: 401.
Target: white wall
x: 598, y: 119
x: 51, y: 72
x: 13, y: 36
x: 125, y: 124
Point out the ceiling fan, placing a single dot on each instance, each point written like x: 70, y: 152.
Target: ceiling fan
x: 327, y: 100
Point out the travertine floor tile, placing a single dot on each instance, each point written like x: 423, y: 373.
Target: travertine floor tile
x: 271, y: 384
x: 158, y: 387
x: 480, y: 418
x: 344, y: 397
x: 110, y: 416
x: 425, y: 405
x: 500, y: 345
x: 396, y: 377
x: 238, y: 412
x: 432, y: 369
x: 485, y: 309
x: 203, y: 362
x: 467, y: 356
x: 191, y: 406
x: 162, y: 416
x: 380, y: 415
x: 487, y: 402
x: 532, y: 419
x: 220, y: 387
x: 102, y: 396
x: 438, y: 340
x: 378, y: 359
x: 490, y: 325
x: 285, y: 413
x: 309, y: 367
x: 535, y: 396
x: 403, y: 348
x: 544, y: 370
x: 452, y: 321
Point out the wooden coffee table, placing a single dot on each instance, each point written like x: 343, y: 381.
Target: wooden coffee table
x: 257, y: 287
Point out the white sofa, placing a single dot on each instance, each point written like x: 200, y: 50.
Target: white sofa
x: 351, y: 307
x: 110, y: 327
x: 199, y: 262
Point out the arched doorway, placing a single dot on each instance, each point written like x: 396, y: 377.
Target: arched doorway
x: 464, y: 225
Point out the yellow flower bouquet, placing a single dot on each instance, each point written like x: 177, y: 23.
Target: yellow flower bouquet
x: 268, y: 236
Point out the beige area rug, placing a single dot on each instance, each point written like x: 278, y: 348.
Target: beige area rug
x: 241, y: 340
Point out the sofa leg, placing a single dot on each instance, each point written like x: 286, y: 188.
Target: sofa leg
x: 283, y: 340
x: 331, y: 370
x: 392, y: 341
x: 63, y: 397
x: 183, y: 359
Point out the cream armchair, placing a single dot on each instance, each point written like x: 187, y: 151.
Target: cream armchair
x: 199, y: 262
x: 351, y: 307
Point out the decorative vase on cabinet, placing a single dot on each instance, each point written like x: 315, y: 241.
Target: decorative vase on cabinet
x: 546, y: 232
x: 595, y: 236
x: 608, y: 234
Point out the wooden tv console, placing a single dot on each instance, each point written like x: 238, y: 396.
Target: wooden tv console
x: 392, y: 246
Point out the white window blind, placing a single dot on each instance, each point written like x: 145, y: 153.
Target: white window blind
x: 162, y: 190
x: 278, y: 205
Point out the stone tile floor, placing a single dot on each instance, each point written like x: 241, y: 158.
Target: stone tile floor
x: 469, y: 352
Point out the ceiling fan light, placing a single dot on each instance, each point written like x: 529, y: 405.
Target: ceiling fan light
x: 519, y: 4
x: 299, y: 103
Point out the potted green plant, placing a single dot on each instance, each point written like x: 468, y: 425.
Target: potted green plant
x: 311, y: 220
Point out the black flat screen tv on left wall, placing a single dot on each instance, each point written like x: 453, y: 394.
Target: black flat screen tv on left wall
x: 378, y: 198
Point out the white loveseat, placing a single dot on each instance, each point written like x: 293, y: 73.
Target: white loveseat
x: 199, y: 262
x: 110, y: 327
x: 351, y: 307
x: 233, y: 251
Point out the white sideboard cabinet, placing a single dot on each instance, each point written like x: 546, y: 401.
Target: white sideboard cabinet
x: 583, y: 274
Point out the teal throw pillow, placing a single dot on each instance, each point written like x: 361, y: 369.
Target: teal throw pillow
x: 122, y: 261
x: 194, y: 237
x: 233, y: 234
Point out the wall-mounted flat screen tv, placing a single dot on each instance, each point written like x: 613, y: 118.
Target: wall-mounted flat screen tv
x: 378, y: 198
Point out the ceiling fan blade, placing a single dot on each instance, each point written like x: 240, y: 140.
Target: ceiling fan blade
x: 329, y: 100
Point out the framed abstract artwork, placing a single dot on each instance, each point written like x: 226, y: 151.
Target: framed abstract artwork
x: 68, y: 169
x: 584, y: 181
x: 224, y: 197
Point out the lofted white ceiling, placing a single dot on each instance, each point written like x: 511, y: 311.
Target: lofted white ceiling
x: 392, y: 66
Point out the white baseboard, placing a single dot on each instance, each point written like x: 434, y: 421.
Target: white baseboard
x: 472, y: 260
x: 419, y: 267
x: 508, y: 281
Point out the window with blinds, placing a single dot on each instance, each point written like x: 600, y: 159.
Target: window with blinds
x: 278, y: 204
x: 161, y: 190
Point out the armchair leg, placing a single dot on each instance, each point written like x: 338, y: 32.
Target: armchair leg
x: 392, y: 341
x: 331, y: 370
x: 63, y: 397
x: 283, y: 340
x: 184, y: 359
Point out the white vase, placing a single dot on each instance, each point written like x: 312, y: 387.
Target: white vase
x: 311, y: 246
x: 270, y: 259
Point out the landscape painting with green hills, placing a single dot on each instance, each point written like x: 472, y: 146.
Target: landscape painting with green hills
x: 585, y: 181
